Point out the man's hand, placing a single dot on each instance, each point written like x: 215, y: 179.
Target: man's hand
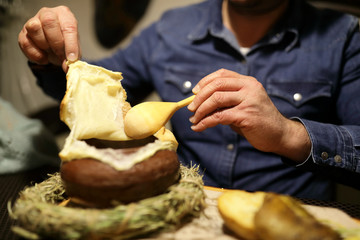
x: 51, y: 36
x: 228, y: 98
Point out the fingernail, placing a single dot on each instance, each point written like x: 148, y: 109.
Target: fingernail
x: 71, y: 57
x: 191, y: 107
x: 196, y: 89
x: 191, y: 119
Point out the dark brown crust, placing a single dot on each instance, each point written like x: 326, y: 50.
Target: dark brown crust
x: 98, y: 184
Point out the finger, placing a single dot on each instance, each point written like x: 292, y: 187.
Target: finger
x: 218, y: 84
x: 216, y: 102
x: 221, y: 73
x: 30, y: 49
x: 69, y: 29
x: 35, y: 33
x: 220, y: 117
x: 52, y: 32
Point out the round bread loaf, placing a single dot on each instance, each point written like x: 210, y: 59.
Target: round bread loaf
x: 97, y: 184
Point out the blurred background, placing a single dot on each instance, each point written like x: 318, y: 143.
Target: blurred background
x: 102, y: 30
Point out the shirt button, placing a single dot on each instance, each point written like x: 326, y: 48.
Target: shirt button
x: 337, y: 159
x: 187, y: 84
x: 297, y: 97
x: 230, y: 147
x: 324, y: 155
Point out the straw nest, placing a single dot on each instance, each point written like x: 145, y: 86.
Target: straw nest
x: 40, y: 214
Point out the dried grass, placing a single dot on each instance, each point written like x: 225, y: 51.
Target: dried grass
x: 39, y: 214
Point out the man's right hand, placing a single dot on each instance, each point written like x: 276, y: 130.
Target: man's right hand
x: 51, y: 36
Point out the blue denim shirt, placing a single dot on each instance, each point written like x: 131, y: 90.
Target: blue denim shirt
x: 310, y: 66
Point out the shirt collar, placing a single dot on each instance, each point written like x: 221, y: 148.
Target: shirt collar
x: 211, y: 21
x: 288, y: 26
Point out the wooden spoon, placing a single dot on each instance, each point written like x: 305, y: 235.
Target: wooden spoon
x: 147, y: 118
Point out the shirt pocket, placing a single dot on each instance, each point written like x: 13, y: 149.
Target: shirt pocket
x: 180, y: 81
x: 299, y: 93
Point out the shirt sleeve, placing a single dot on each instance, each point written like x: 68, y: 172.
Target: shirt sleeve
x: 51, y: 78
x: 335, y: 151
x: 135, y: 62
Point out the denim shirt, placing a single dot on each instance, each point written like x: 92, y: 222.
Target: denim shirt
x: 309, y: 64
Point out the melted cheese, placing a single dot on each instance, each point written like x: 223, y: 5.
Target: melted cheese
x: 95, y: 103
x: 119, y: 159
x: 94, y: 106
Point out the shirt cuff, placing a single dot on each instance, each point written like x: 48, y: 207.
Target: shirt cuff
x: 335, y: 152
x: 331, y: 146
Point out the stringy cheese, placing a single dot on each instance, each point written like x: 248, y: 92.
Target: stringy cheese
x: 94, y: 106
x: 95, y: 103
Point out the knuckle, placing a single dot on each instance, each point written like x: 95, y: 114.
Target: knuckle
x: 257, y: 84
x: 253, y: 80
x: 218, y: 116
x: 219, y: 84
x: 24, y: 44
x: 221, y: 72
x: 33, y: 25
x: 218, y: 98
x: 48, y: 19
x: 69, y: 28
x: 64, y: 8
x: 202, y: 125
x: 43, y: 9
x: 254, y: 83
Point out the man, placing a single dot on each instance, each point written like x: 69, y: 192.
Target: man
x: 281, y: 115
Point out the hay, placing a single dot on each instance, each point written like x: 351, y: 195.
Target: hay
x: 39, y: 214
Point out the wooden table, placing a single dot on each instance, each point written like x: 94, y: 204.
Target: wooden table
x: 211, y: 225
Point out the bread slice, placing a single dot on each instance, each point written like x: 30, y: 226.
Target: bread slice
x: 270, y: 216
x: 238, y: 209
